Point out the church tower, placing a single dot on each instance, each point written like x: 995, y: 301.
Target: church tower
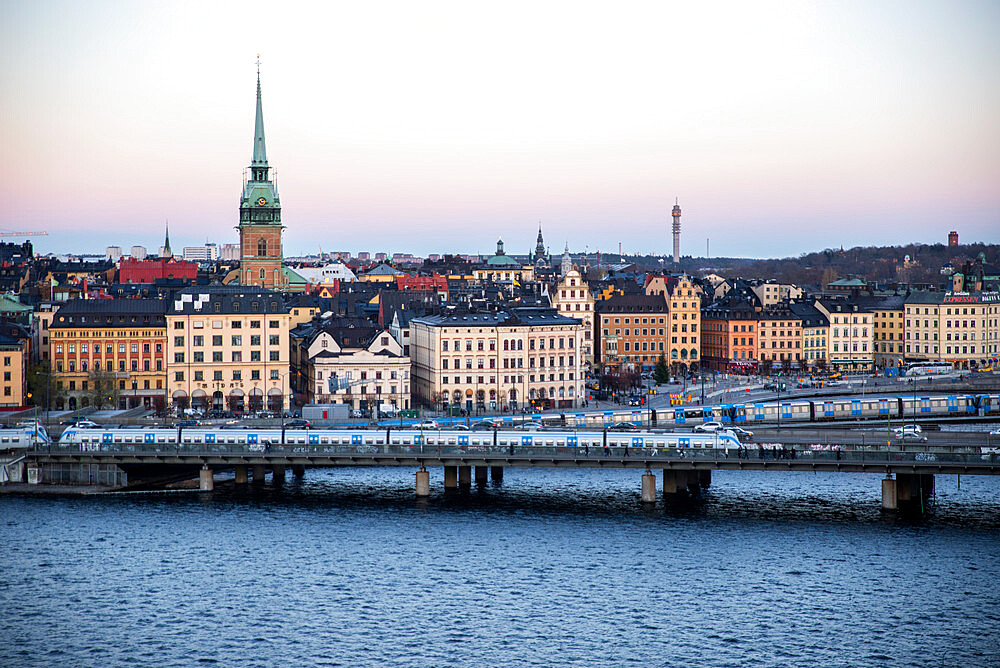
x: 261, y: 258
x: 540, y: 257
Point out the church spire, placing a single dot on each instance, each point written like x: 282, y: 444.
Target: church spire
x: 259, y: 150
x: 166, y: 252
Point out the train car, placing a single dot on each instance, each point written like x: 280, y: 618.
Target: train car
x: 23, y: 437
x: 370, y: 439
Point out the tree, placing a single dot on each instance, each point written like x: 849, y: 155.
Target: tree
x: 103, y: 389
x: 660, y: 372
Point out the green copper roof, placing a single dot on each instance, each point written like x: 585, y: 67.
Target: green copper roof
x: 259, y: 150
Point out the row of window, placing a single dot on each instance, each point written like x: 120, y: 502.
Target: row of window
x: 133, y: 365
x: 236, y: 339
x: 237, y: 374
x: 198, y: 356
x: 109, y: 348
x: 233, y: 324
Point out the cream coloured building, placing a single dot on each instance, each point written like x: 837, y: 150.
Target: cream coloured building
x: 571, y: 297
x: 960, y: 328
x: 851, y: 341
x: 228, y: 349
x: 377, y: 374
x: 497, y: 360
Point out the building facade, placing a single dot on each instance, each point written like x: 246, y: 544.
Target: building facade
x: 109, y: 353
x: 571, y: 298
x: 497, y: 361
x: 851, y: 342
x: 958, y: 328
x: 729, y: 337
x: 779, y: 337
x: 228, y: 349
x: 365, y: 378
x: 632, y: 331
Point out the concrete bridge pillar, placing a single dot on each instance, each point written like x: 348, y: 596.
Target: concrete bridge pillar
x: 694, y: 483
x: 482, y: 475
x: 241, y: 475
x: 298, y: 470
x: 465, y: 476
x: 450, y: 477
x: 206, y: 479
x: 890, y: 500
x: 705, y: 479
x: 648, y: 487
x: 909, y: 492
x: 278, y: 474
x: 423, y: 482
x: 496, y: 473
x: 258, y: 474
x: 669, y: 481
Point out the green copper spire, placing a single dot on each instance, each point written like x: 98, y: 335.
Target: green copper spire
x: 259, y: 150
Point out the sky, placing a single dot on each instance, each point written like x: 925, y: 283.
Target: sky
x: 781, y: 127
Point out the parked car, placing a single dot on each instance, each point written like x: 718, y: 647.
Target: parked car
x: 636, y: 400
x: 186, y: 423
x: 458, y: 427
x: 739, y: 432
x: 910, y: 432
x: 485, y: 425
x: 427, y: 424
x: 297, y: 423
x: 529, y: 426
x: 624, y: 426
x: 708, y: 427
x: 357, y: 413
x: 86, y: 424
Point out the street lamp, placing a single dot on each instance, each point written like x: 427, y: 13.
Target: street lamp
x: 135, y: 398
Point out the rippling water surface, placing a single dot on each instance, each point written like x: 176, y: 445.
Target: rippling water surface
x: 554, y: 567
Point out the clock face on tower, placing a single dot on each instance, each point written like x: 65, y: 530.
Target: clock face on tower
x: 261, y: 201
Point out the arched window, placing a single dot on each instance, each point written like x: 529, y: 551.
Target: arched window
x: 262, y: 274
x: 262, y: 248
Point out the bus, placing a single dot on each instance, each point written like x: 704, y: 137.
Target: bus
x: 928, y: 368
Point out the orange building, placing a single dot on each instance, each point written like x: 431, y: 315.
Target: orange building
x: 729, y: 337
x: 631, y: 331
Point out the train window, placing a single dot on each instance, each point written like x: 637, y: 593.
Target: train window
x: 324, y: 440
x: 161, y: 439
x: 369, y: 441
x: 118, y: 439
x: 187, y: 440
x: 549, y: 442
x: 230, y: 440
x: 451, y: 441
x: 4, y: 440
x: 660, y: 444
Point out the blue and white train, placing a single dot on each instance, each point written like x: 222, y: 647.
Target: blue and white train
x: 261, y: 439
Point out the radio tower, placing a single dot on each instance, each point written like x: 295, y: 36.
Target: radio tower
x: 676, y: 213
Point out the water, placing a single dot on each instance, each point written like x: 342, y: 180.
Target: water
x: 556, y: 567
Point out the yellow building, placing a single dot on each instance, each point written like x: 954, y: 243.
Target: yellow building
x: 851, y: 341
x: 109, y: 353
x: 228, y: 349
x: 889, y: 332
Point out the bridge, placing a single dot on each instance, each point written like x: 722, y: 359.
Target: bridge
x: 909, y: 468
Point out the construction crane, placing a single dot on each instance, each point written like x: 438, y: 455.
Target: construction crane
x: 23, y: 234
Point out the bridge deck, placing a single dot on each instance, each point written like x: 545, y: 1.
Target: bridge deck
x: 858, y: 459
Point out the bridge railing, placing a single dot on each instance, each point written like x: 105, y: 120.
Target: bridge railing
x: 956, y: 454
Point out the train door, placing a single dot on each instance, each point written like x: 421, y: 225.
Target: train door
x: 786, y: 410
x: 759, y: 413
x: 609, y: 418
x: 678, y: 416
x: 952, y: 404
x: 726, y: 413
x: 855, y: 407
x: 883, y: 406
x: 739, y: 413
x: 925, y: 404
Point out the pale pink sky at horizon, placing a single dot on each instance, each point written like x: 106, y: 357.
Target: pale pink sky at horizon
x: 437, y: 127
